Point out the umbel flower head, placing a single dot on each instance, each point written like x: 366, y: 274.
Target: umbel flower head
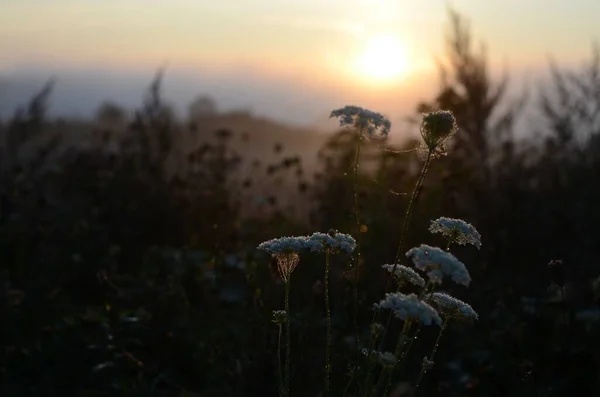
x: 451, y: 307
x: 457, y: 231
x: 409, y: 307
x: 404, y: 274
x: 279, y: 316
x: 436, y: 129
x: 364, y: 120
x: 283, y: 245
x: 337, y: 242
x: 439, y: 263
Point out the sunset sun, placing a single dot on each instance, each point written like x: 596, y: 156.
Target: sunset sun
x: 383, y: 59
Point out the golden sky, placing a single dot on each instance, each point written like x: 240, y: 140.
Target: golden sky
x: 371, y: 44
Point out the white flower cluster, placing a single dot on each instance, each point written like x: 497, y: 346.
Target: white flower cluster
x: 407, y: 307
x: 457, y: 231
x: 453, y: 307
x: 363, y: 119
x: 318, y: 242
x: 427, y: 364
x: 403, y: 273
x: 283, y: 245
x: 439, y: 263
x: 385, y: 359
x: 279, y: 316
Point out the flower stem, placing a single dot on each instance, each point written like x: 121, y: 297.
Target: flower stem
x: 328, y: 311
x: 358, y: 243
x: 435, y: 347
x: 398, y: 352
x: 288, y: 338
x: 281, y: 386
x: 405, y: 225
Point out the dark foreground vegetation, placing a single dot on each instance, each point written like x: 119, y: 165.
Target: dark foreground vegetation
x: 129, y: 266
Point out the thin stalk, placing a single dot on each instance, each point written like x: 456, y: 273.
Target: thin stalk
x: 405, y: 225
x: 358, y: 242
x: 328, y: 311
x: 398, y: 353
x: 384, y: 371
x: 281, y: 386
x: 288, y: 338
x: 435, y: 347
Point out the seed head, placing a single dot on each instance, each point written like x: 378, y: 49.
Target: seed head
x: 436, y: 129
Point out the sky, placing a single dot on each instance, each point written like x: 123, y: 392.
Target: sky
x: 286, y: 59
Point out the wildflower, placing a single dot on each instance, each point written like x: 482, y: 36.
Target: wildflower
x: 386, y: 359
x: 403, y: 273
x: 457, y: 231
x: 286, y: 263
x: 377, y: 329
x: 338, y: 242
x: 364, y: 120
x: 279, y: 316
x: 452, y: 307
x: 283, y: 245
x: 407, y: 307
x: 427, y: 364
x: 438, y: 263
x: 436, y: 128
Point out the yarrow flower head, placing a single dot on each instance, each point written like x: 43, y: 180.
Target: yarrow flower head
x: 279, y: 316
x: 377, y: 329
x: 451, y: 307
x: 436, y: 129
x: 427, y: 364
x: 364, y: 120
x: 439, y: 263
x: 386, y: 359
x: 283, y: 245
x: 404, y: 274
x: 338, y: 242
x: 457, y: 231
x: 410, y: 307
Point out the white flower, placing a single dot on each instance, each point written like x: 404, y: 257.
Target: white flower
x: 403, y: 273
x: 452, y: 307
x: 457, y: 230
x: 386, y: 359
x: 363, y: 119
x: 438, y: 263
x: 427, y: 364
x: 279, y: 316
x: 407, y: 307
x: 283, y: 245
x: 318, y: 242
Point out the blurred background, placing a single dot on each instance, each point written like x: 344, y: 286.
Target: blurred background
x: 148, y: 146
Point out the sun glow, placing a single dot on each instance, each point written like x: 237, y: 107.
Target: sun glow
x: 384, y: 59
